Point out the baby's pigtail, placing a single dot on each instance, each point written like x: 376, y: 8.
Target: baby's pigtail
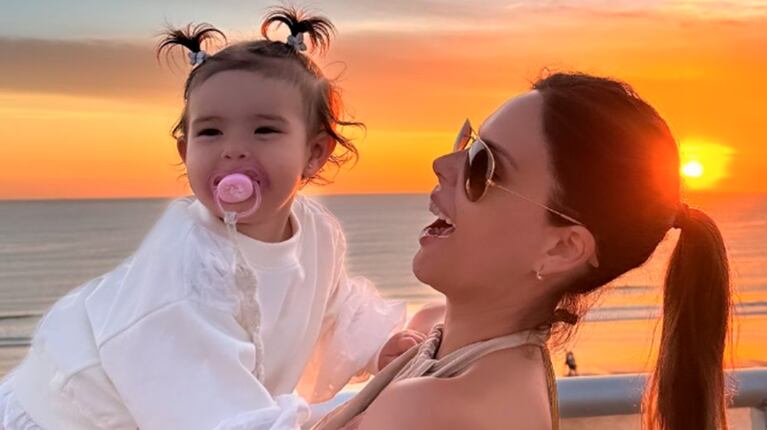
x: 319, y: 29
x: 192, y: 37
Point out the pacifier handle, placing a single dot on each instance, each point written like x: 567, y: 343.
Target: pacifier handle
x: 236, y: 188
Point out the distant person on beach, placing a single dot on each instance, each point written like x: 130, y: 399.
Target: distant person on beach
x: 572, y: 367
x: 560, y: 191
x: 238, y: 296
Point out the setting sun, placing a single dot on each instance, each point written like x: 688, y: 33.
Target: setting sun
x: 692, y: 169
x: 703, y: 163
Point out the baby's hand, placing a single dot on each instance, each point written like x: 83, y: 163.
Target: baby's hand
x: 397, y: 345
x: 427, y: 317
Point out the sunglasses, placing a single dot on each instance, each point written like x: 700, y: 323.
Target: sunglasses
x: 480, y: 168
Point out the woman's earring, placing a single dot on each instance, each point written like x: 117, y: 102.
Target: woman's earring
x: 539, y: 275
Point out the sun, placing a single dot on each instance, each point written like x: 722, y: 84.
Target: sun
x: 703, y: 164
x: 692, y: 169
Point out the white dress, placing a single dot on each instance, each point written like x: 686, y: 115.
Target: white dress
x: 168, y: 339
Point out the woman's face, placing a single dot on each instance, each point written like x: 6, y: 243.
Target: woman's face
x: 497, y: 241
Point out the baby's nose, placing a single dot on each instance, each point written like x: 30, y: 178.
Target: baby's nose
x: 235, y: 152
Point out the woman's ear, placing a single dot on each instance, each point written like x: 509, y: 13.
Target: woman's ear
x: 181, y: 147
x: 568, y: 249
x: 321, y: 147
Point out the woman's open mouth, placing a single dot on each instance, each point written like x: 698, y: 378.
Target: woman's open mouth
x: 442, y: 227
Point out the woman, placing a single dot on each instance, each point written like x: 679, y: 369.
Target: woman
x: 564, y: 189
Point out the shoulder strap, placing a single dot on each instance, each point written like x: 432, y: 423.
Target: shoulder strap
x: 551, y: 384
x: 457, y: 361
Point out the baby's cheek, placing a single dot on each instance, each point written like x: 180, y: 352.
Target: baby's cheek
x: 285, y: 175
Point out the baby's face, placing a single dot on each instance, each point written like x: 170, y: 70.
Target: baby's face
x: 240, y: 121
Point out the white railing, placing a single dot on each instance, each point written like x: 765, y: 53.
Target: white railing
x: 14, y: 342
x: 596, y: 396
x: 593, y: 396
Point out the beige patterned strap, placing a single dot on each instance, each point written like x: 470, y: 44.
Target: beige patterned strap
x: 551, y: 385
x: 459, y: 360
x: 420, y: 361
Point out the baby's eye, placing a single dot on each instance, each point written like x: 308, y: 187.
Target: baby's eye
x: 266, y: 130
x: 209, y: 132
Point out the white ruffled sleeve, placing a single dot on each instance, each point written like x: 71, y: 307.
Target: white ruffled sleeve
x: 289, y: 412
x: 357, y: 324
x: 190, y: 366
x: 12, y: 416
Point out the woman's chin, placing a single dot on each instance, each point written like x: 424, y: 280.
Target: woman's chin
x: 425, y: 268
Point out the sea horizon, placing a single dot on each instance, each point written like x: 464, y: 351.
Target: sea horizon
x: 685, y: 193
x: 41, y: 260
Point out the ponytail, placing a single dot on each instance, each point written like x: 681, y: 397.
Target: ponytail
x: 687, y: 388
x: 192, y: 37
x: 319, y: 29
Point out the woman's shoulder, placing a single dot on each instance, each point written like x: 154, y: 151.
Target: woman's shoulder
x: 511, y: 386
x: 419, y: 403
x: 507, y: 387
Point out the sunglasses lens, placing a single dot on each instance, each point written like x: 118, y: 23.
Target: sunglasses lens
x: 477, y: 170
x: 463, y: 138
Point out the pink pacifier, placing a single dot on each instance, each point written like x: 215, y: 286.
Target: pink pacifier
x: 236, y: 188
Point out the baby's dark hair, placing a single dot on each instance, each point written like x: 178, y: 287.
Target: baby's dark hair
x: 277, y: 60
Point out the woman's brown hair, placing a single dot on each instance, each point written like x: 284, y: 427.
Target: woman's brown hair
x: 616, y: 165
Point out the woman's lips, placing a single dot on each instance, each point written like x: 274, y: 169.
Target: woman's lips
x: 441, y: 228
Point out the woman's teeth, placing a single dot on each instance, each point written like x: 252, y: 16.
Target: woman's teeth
x: 442, y: 227
x: 435, y: 210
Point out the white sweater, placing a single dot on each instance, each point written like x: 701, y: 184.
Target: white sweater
x: 167, y: 340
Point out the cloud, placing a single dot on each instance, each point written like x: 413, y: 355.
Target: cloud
x: 493, y: 55
x: 90, y: 18
x: 98, y: 68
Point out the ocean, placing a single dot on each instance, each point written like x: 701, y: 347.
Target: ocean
x: 49, y: 247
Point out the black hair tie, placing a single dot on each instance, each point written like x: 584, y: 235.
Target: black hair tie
x: 682, y: 215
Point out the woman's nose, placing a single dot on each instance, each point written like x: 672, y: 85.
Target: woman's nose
x: 448, y: 167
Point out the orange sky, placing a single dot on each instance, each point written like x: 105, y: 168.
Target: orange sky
x: 91, y: 117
